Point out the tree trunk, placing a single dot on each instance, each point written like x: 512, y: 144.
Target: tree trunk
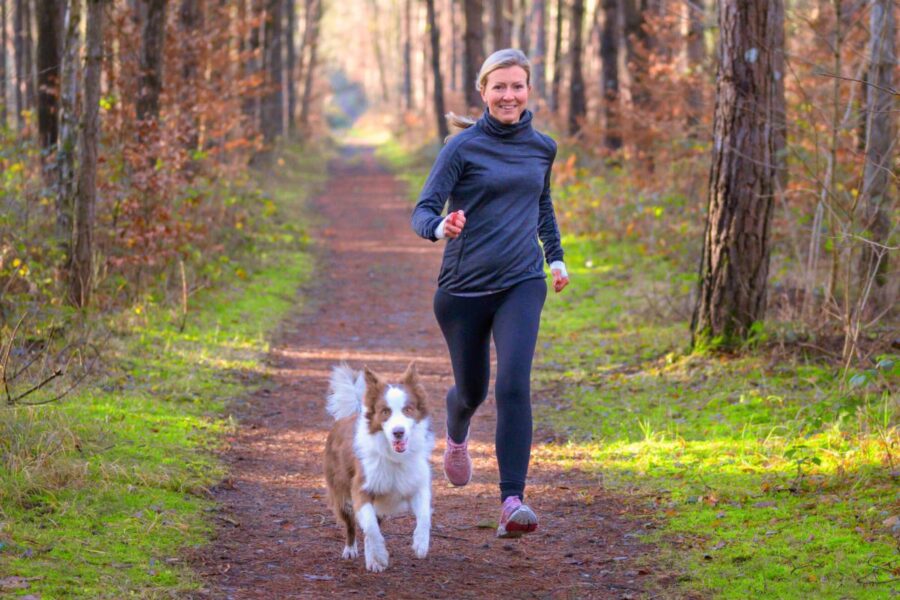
x: 21, y: 44
x: 557, y: 57
x: 696, y: 57
x: 735, y: 258
x: 252, y: 69
x: 501, y: 24
x: 474, y: 11
x: 609, y: 60
x: 290, y: 71
x: 83, y: 247
x: 407, y: 55
x: 577, y: 101
x: 49, y: 54
x: 273, y: 100
x: 637, y: 46
x: 524, y: 38
x: 68, y: 126
x: 191, y: 20
x: 150, y: 81
x: 539, y: 53
x: 3, y: 42
x: 439, y: 110
x: 454, y: 46
x: 311, y: 65
x: 881, y: 139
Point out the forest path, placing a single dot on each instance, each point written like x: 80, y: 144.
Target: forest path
x: 369, y: 303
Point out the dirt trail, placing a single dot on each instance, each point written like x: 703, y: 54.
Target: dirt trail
x: 370, y: 303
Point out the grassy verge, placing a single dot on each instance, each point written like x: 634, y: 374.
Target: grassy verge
x: 101, y: 493
x: 769, y: 477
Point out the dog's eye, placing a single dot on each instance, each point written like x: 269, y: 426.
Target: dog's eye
x: 385, y: 411
x: 408, y: 411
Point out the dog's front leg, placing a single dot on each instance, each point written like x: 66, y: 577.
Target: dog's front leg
x: 421, y: 506
x: 375, y: 550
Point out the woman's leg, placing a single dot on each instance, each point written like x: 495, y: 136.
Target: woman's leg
x: 515, y: 330
x: 466, y: 325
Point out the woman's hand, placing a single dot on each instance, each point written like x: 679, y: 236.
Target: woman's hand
x: 560, y: 280
x: 454, y: 224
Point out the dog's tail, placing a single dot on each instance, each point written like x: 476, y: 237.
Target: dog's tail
x: 346, y: 392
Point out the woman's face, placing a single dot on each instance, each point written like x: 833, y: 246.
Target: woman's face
x: 506, y: 94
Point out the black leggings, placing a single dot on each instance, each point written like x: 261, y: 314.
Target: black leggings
x: 513, y: 316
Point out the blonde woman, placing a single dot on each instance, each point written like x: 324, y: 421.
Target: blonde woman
x: 495, y: 173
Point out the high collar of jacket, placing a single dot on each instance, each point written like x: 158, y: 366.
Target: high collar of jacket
x: 513, y: 131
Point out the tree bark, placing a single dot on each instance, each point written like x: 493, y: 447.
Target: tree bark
x: 49, y: 54
x: 407, y: 55
x: 191, y: 21
x: 83, y: 246
x: 609, y: 60
x: 557, y: 57
x: 439, y: 109
x: 3, y: 42
x: 735, y: 258
x: 577, y: 101
x: 252, y: 69
x: 539, y: 52
x: 290, y: 71
x: 881, y: 138
x: 523, y: 33
x: 637, y: 47
x: 151, y: 76
x: 501, y: 24
x: 68, y: 126
x: 311, y: 65
x: 696, y: 57
x: 454, y: 47
x: 273, y: 100
x: 474, y: 11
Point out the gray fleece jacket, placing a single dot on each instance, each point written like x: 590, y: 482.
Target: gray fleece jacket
x: 499, y: 175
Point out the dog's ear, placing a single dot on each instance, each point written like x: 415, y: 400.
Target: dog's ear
x: 412, y: 383
x: 374, y: 388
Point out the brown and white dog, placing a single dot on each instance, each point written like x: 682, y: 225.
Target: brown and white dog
x: 376, y: 458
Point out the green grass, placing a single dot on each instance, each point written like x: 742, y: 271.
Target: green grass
x: 770, y: 477
x: 102, y: 493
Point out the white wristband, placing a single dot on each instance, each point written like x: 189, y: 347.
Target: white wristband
x: 561, y: 266
x: 439, y: 230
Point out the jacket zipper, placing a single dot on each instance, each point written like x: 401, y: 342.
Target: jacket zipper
x: 462, y: 250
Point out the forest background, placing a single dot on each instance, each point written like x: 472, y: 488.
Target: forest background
x: 133, y: 136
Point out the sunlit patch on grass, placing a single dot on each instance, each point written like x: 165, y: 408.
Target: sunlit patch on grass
x: 770, y: 479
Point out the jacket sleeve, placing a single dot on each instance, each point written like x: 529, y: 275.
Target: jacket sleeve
x: 444, y: 174
x: 548, y: 230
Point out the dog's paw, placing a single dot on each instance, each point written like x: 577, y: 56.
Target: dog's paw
x: 350, y: 552
x: 420, y: 544
x: 376, y: 557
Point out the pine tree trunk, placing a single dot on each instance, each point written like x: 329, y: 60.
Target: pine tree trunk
x: 252, y: 68
x: 609, y: 60
x: 273, y: 100
x: 474, y: 12
x: 151, y: 76
x: 49, y: 54
x: 524, y: 37
x: 557, y: 57
x: 68, y: 126
x: 501, y: 25
x: 881, y: 139
x: 83, y: 246
x: 290, y: 71
x: 735, y: 258
x: 305, y: 105
x: 191, y: 21
x: 3, y: 43
x: 454, y: 46
x: 696, y: 57
x: 407, y: 55
x: 439, y: 110
x: 539, y: 52
x: 577, y: 101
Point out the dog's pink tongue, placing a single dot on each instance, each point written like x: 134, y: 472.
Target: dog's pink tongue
x: 399, y: 446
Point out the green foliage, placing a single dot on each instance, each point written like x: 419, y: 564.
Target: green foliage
x: 103, y: 492
x: 770, y: 477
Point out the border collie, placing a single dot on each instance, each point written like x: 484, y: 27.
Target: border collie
x: 376, y: 458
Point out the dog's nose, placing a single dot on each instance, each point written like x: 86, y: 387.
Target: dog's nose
x: 398, y: 432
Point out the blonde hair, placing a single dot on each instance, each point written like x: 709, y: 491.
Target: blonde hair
x: 501, y: 59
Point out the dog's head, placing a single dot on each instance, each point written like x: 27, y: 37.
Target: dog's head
x: 395, y: 410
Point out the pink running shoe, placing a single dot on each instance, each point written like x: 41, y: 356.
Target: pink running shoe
x: 457, y: 462
x: 516, y: 519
